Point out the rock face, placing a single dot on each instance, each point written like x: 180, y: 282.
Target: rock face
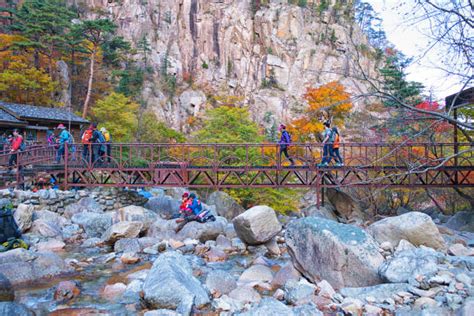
x: 230, y: 44
x: 226, y: 206
x: 6, y: 290
x: 345, y: 206
x: 415, y: 227
x: 257, y: 225
x: 182, y: 289
x: 344, y: 255
x: 409, y: 263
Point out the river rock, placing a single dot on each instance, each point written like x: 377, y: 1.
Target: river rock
x: 345, y: 255
x: 424, y: 302
x: 245, y: 295
x: 122, y: 230
x: 45, y: 229
x: 14, y: 309
x: 221, y: 282
x: 463, y: 221
x: 164, y: 206
x: 51, y: 217
x: 86, y: 204
x: 345, y: 206
x: 135, y: 213
x: 309, y: 309
x: 257, y: 225
x: 299, y: 292
x: 182, y: 289
x: 94, y: 224
x: 287, y: 272
x: 380, y: 292
x: 269, y: 306
x: 24, y: 216
x: 415, y: 227
x: 6, y: 290
x: 50, y: 245
x: 325, y: 289
x: 203, y: 231
x: 408, y: 264
x: 226, y: 206
x: 114, y: 291
x: 127, y: 245
x: 323, y: 212
x: 66, y: 290
x: 460, y: 250
x: 255, y: 274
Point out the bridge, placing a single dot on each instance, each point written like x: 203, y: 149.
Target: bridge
x: 382, y: 165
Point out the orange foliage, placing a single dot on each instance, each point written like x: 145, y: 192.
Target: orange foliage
x: 327, y: 102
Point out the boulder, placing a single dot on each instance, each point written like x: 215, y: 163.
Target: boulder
x: 307, y: 310
x: 380, y: 292
x: 226, y: 206
x: 86, y: 204
x: 182, y: 289
x: 269, y: 306
x: 342, y: 254
x: 127, y: 245
x: 203, y: 231
x: 220, y: 282
x: 113, y: 292
x: 24, y: 216
x: 245, y: 295
x: 287, y: 272
x: 14, y: 309
x: 6, y: 290
x: 345, y: 206
x: 135, y: 213
x: 50, y: 245
x: 51, y: 217
x: 463, y: 221
x: 415, y: 227
x: 408, y: 264
x: 66, y: 290
x: 122, y: 230
x: 323, y: 212
x: 256, y: 274
x: 460, y: 250
x: 94, y: 224
x: 45, y: 228
x: 257, y: 225
x: 21, y: 266
x: 164, y: 206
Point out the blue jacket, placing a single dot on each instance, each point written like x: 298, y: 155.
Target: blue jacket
x: 196, y: 206
x: 64, y: 137
x: 285, y: 138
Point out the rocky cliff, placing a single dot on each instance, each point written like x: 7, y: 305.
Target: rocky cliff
x: 227, y: 47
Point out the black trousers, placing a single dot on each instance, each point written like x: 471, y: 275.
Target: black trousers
x: 284, y: 150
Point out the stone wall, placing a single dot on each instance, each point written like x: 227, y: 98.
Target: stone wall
x: 56, y: 200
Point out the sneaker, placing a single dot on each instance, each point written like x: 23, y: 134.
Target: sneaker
x: 322, y: 164
x: 338, y: 164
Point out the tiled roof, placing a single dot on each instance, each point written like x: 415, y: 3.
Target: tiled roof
x: 24, y: 111
x: 6, y: 117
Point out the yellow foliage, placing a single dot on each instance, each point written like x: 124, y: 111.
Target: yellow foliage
x: 327, y: 102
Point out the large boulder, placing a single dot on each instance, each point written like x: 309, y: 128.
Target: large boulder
x: 22, y: 266
x: 135, y: 213
x: 257, y: 225
x: 45, y: 229
x: 6, y: 290
x: 406, y: 264
x: 51, y: 217
x: 462, y: 221
x: 415, y: 227
x: 182, y: 289
x: 323, y: 212
x: 14, y: 309
x: 24, y: 216
x: 342, y: 254
x: 344, y: 205
x: 86, y: 204
x: 122, y: 230
x: 165, y: 206
x: 94, y: 224
x: 226, y: 206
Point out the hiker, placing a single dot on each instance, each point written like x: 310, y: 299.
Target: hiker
x: 95, y: 141
x: 328, y: 140
x: 108, y: 140
x: 63, y: 139
x: 335, y: 147
x: 16, y: 146
x: 193, y: 212
x: 10, y: 233
x: 285, y: 141
x: 185, y: 202
x: 86, y: 143
x: 51, y: 139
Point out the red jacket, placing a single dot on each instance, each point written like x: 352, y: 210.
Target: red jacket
x: 17, y: 143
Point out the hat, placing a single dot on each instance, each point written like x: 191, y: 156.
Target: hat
x: 192, y: 196
x: 103, y: 130
x: 282, y: 126
x: 61, y: 126
x: 185, y: 194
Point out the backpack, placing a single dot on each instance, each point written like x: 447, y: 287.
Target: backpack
x: 107, y: 136
x: 23, y: 145
x: 287, y: 137
x: 8, y: 227
x: 100, y: 138
x: 86, y: 137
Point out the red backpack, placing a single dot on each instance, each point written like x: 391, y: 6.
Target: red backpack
x: 86, y: 137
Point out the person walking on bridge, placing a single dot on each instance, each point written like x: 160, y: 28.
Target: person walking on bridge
x: 64, y: 138
x: 328, y: 140
x: 108, y: 140
x: 285, y: 141
x: 15, y: 148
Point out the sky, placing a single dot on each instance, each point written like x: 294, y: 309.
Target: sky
x: 412, y: 42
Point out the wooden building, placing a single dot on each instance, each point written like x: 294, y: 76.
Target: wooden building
x: 34, y: 122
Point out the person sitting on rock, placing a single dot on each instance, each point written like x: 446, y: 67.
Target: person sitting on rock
x: 185, y: 202
x: 189, y: 214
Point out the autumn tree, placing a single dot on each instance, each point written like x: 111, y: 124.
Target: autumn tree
x: 327, y: 102
x: 155, y: 131
x: 118, y: 114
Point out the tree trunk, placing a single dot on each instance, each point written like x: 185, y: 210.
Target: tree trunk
x: 89, y: 85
